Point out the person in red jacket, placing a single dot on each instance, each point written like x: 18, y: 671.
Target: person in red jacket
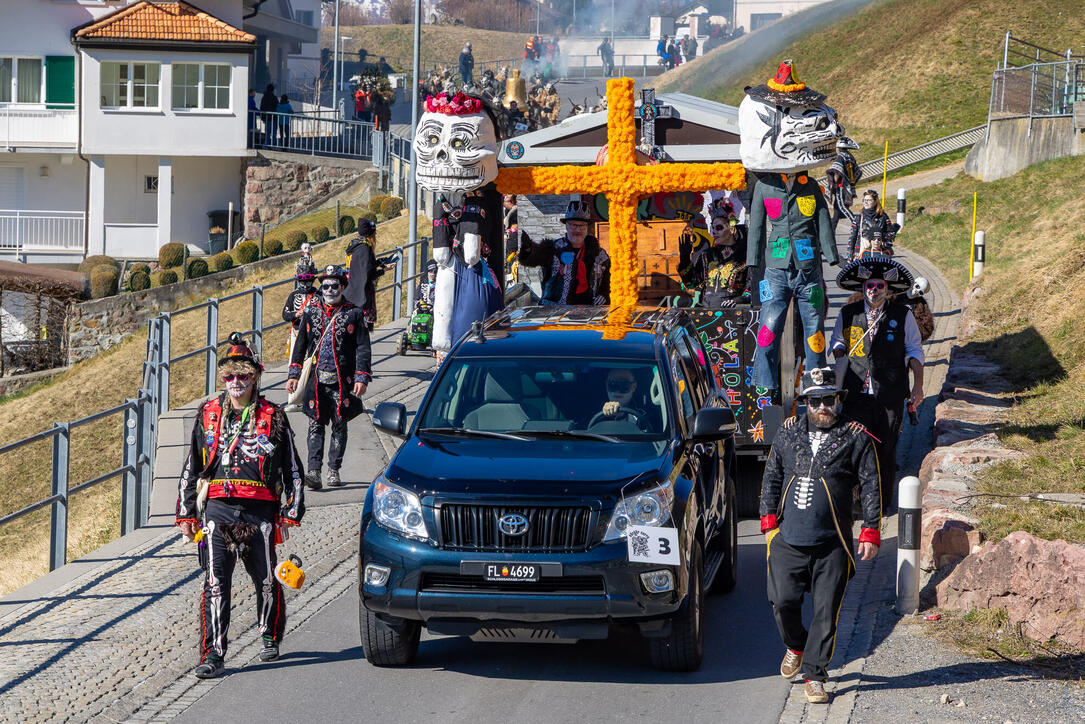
x: 241, y: 481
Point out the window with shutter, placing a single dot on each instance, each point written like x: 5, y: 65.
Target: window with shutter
x: 60, y: 81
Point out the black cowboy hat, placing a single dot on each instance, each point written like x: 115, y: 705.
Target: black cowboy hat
x: 772, y: 92
x: 895, y: 275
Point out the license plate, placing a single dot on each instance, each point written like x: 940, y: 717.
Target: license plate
x: 510, y: 572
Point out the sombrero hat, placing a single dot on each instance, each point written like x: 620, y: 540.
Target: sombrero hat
x: 896, y: 276
x: 784, y: 89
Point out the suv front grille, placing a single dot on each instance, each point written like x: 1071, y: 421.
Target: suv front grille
x: 456, y: 583
x: 550, y: 529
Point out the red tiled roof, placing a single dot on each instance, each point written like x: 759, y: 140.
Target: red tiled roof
x: 171, y: 20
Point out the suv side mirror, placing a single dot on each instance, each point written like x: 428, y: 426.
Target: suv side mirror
x: 713, y: 423
x: 391, y: 417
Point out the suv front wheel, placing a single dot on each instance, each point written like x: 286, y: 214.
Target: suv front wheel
x: 683, y: 649
x: 388, y: 644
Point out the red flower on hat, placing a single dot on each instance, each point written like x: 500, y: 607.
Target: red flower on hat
x: 457, y: 105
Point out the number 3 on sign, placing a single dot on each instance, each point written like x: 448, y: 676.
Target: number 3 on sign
x: 648, y: 544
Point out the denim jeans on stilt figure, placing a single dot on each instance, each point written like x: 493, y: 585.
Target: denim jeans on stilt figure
x: 776, y: 291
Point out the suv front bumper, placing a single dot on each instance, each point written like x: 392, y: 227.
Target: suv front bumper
x: 597, y: 586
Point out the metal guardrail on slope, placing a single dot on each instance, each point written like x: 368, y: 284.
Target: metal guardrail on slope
x: 141, y: 414
x: 924, y: 151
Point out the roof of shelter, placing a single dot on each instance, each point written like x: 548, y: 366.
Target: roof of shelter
x: 35, y: 279
x: 161, y: 21
x: 700, y: 131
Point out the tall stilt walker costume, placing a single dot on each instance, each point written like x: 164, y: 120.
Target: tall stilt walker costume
x: 456, y: 145
x: 334, y: 335
x: 241, y: 480
x: 785, y: 131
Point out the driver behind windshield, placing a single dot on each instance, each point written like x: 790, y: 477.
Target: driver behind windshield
x: 621, y: 384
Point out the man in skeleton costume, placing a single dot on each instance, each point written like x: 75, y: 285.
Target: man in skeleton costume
x: 240, y: 467
x: 576, y: 270
x: 880, y: 341
x: 815, y: 463
x: 785, y: 130
x: 456, y: 145
x: 844, y: 172
x: 333, y: 332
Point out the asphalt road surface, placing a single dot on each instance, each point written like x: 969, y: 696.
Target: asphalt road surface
x: 323, y: 676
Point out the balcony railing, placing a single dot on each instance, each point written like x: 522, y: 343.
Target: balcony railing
x: 303, y: 133
x: 41, y: 230
x: 38, y: 127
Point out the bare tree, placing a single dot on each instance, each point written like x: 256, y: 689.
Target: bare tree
x: 400, y: 12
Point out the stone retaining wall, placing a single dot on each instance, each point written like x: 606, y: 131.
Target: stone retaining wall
x: 13, y: 384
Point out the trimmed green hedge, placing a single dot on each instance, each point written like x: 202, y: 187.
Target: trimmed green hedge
x: 375, y: 203
x: 319, y: 234
x: 347, y: 225
x: 138, y: 281
x: 391, y: 207
x: 93, y: 262
x: 246, y: 252
x: 103, y: 281
x: 140, y: 267
x: 163, y: 277
x: 171, y: 255
x: 196, y: 268
x: 272, y: 247
x: 221, y: 261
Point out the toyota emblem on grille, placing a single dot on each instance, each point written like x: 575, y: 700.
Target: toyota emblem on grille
x: 513, y: 524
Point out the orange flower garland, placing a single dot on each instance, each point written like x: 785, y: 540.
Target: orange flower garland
x: 624, y: 183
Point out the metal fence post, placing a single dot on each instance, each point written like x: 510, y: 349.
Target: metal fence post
x: 412, y: 268
x: 211, y: 358
x: 164, y: 364
x: 130, y: 460
x: 58, y: 525
x: 258, y: 319
x: 397, y: 290
x: 146, y: 448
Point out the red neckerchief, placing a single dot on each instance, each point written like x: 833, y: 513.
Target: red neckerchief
x: 581, y: 271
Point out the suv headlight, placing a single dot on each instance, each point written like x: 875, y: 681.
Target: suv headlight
x: 647, y: 507
x: 398, y: 510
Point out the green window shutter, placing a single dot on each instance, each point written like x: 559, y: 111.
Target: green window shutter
x: 60, y: 81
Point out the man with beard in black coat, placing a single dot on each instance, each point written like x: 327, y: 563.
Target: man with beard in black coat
x: 815, y: 463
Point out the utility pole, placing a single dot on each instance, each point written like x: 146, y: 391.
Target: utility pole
x: 538, y: 15
x: 412, y: 183
x: 342, y: 57
x: 335, y: 60
x: 612, y: 27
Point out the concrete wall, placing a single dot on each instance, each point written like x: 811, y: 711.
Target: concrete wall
x: 745, y: 9
x: 201, y: 185
x: 1010, y: 146
x: 63, y: 189
x: 163, y: 130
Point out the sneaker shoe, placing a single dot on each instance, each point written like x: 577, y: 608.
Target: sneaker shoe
x: 270, y: 652
x: 815, y: 692
x: 312, y: 480
x: 333, y: 478
x: 210, y: 668
x: 791, y: 664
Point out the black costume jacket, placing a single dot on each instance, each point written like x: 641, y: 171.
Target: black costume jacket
x: 362, y: 289
x: 869, y: 222
x: 350, y: 344
x: 883, y: 357
x: 845, y: 459
x: 719, y: 271
x: 560, y: 278
x: 264, y: 465
x: 481, y: 214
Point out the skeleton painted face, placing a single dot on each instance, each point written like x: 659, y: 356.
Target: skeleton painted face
x: 783, y: 139
x: 455, y: 153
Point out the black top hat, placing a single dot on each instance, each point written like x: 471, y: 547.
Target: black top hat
x: 820, y: 380
x: 895, y: 275
x: 784, y: 89
x: 334, y: 271
x: 577, y: 211
x: 239, y: 352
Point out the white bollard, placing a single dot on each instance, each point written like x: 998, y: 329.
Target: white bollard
x: 901, y: 203
x: 909, y: 521
x: 979, y: 253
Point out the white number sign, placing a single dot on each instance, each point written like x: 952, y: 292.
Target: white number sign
x: 649, y: 544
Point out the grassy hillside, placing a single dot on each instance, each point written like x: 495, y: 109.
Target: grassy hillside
x: 105, y: 381
x: 1029, y: 320
x: 903, y: 70
x: 440, y: 43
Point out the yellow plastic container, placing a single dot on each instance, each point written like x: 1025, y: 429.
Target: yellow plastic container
x: 289, y: 572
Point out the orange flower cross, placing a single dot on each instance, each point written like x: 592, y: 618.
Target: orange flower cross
x: 624, y: 183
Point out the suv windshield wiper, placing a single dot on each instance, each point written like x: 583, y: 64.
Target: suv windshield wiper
x: 583, y: 435
x: 467, y: 432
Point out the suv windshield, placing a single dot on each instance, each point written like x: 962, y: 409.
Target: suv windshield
x: 551, y: 397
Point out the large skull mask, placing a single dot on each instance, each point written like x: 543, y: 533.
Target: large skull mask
x: 457, y: 151
x: 781, y: 139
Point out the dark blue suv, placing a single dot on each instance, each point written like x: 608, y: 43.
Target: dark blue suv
x: 568, y: 469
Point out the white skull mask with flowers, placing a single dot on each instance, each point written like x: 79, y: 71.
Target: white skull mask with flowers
x: 456, y: 145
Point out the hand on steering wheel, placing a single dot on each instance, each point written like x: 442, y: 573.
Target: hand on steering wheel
x: 630, y: 414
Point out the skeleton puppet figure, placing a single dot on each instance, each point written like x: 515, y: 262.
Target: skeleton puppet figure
x: 786, y: 130
x: 456, y: 143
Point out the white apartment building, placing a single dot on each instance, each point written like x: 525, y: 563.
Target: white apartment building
x: 124, y: 122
